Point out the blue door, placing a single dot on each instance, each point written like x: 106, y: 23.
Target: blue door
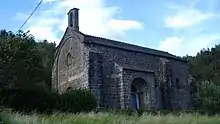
x: 134, y: 101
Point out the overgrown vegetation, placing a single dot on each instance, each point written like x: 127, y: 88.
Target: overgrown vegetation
x: 25, y: 62
x: 29, y: 99
x: 25, y: 77
x: 43, y: 101
x: 205, y: 67
x: 106, y: 118
x: 209, y: 97
x: 77, y: 101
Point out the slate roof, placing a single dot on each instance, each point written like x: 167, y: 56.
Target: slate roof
x: 127, y: 46
x: 124, y: 46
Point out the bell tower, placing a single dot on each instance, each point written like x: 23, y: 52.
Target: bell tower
x: 73, y: 18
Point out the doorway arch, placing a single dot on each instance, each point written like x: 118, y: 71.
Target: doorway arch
x: 138, y: 93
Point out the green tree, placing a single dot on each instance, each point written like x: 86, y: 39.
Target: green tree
x: 24, y: 61
x: 206, y: 65
x: 209, y: 96
x: 47, y: 51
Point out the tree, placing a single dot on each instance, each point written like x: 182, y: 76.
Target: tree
x: 47, y: 51
x: 209, y: 97
x: 24, y: 61
x: 206, y: 65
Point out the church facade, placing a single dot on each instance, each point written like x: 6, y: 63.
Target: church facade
x: 120, y: 75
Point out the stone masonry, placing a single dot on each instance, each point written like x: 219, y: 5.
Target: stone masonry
x: 110, y: 68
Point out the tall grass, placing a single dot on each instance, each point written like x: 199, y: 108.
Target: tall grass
x: 105, y: 118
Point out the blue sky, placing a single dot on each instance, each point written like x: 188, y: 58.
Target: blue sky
x: 177, y: 26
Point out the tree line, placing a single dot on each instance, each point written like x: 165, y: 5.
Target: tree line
x: 205, y: 68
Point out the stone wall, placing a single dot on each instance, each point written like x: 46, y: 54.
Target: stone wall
x: 54, y: 76
x: 164, y: 75
x: 160, y: 74
x: 181, y: 86
x: 71, y: 68
x: 115, y: 91
x: 96, y: 76
x: 193, y: 91
x: 129, y: 75
x: 109, y: 70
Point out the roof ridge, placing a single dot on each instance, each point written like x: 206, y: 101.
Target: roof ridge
x: 125, y: 43
x: 134, y: 45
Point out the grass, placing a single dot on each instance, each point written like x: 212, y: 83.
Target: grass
x: 105, y: 118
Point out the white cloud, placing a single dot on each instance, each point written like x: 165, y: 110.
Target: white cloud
x: 190, y: 34
x: 187, y: 17
x: 124, y: 25
x: 43, y: 33
x: 171, y: 44
x: 49, y: 1
x: 182, y: 46
x: 95, y: 18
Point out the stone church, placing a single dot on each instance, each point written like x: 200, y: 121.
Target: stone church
x: 121, y: 75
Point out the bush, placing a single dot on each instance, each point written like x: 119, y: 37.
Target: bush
x: 78, y: 100
x: 28, y: 99
x: 209, y: 97
x: 45, y: 101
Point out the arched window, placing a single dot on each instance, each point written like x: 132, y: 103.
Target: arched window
x: 178, y: 85
x: 69, y: 89
x: 69, y: 59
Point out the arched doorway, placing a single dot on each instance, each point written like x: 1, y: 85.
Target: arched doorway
x: 138, y: 93
x: 134, y: 97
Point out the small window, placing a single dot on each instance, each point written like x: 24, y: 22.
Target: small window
x: 69, y: 59
x: 155, y: 83
x: 178, y: 86
x: 69, y: 89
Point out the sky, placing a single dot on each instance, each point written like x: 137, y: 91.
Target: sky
x: 180, y: 27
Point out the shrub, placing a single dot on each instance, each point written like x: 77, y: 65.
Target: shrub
x: 28, y: 99
x: 78, y: 100
x: 209, y: 97
x: 45, y: 101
